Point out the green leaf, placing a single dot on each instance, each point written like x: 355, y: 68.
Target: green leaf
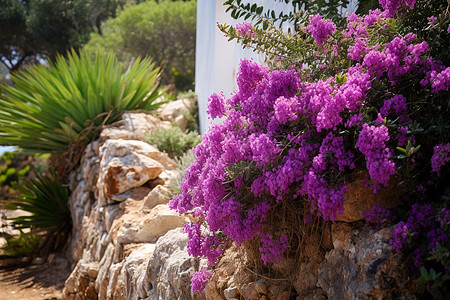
x: 433, y: 274
x: 401, y: 150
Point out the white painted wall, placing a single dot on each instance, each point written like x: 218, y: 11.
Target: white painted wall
x: 217, y: 59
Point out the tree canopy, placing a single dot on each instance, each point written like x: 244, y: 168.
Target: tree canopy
x: 38, y: 29
x: 165, y: 31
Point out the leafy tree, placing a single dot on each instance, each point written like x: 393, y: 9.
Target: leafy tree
x: 31, y: 30
x: 164, y: 31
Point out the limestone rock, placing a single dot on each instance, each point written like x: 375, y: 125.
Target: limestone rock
x: 115, y: 133
x: 135, y: 265
x: 89, y: 269
x: 138, y: 193
x: 159, y: 195
x: 104, y: 276
x: 170, y: 269
x: 139, y: 124
x: 120, y: 148
x: 127, y: 172
x: 174, y: 111
x: 149, y: 227
x: 306, y: 279
x: 359, y: 270
x: 359, y: 198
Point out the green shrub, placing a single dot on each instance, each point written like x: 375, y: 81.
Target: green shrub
x: 174, y: 141
x: 8, y: 173
x: 24, y: 245
x: 51, y: 108
x: 13, y: 167
x: 183, y: 163
x: 164, y: 31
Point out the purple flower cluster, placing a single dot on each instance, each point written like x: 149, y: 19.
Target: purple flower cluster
x: 398, y: 58
x: 440, y: 157
x: 272, y: 250
x: 440, y: 81
x: 392, y: 6
x: 320, y: 28
x: 326, y: 101
x: 199, y: 280
x: 395, y: 106
x: 246, y: 30
x: 444, y: 217
x: 378, y: 217
x: 357, y: 51
x: 373, y: 16
x: 424, y: 223
x: 372, y: 143
x: 400, y: 235
x: 432, y: 19
x: 216, y: 106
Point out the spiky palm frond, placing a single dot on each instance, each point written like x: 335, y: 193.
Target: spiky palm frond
x: 49, y: 108
x: 46, y: 200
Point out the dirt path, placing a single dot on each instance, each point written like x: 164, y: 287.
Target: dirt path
x: 34, y: 282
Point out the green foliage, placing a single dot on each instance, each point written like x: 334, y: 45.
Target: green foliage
x: 365, y: 5
x: 183, y: 163
x: 164, y: 31
x: 434, y: 273
x: 8, y: 173
x: 25, y: 245
x: 435, y: 34
x: 192, y: 115
x: 48, y: 109
x: 436, y: 281
x: 35, y: 29
x: 13, y: 167
x: 283, y: 50
x: 329, y: 9
x: 173, y: 141
x: 45, y: 198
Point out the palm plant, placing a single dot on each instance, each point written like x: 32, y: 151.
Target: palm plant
x: 46, y: 200
x: 47, y: 109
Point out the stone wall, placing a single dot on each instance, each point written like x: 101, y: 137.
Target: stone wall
x: 127, y: 244
x: 119, y: 211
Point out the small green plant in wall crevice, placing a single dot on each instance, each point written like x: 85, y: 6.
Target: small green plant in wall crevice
x: 173, y: 141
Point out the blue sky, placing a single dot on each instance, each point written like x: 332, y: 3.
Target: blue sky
x: 3, y: 149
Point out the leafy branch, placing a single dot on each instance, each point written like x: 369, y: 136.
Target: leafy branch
x: 247, y: 11
x: 283, y: 50
x: 329, y: 9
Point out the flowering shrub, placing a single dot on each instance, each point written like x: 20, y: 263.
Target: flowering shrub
x: 320, y: 28
x: 293, y: 133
